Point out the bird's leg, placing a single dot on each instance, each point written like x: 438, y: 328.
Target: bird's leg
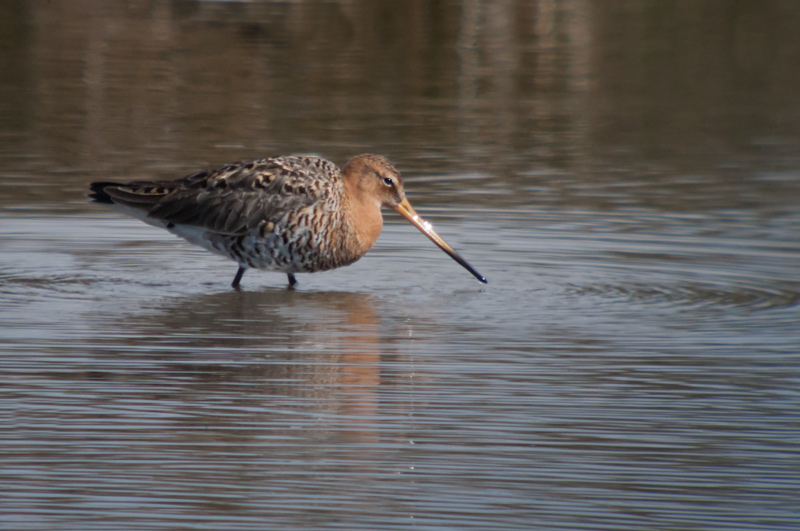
x: 292, y: 280
x: 238, y: 277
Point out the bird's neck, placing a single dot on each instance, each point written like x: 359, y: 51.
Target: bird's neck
x: 364, y: 216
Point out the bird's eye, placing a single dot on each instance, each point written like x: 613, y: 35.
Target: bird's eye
x: 388, y: 181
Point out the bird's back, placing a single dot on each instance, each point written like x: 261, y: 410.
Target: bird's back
x: 233, y: 199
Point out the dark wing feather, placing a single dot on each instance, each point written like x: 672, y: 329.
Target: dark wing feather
x: 140, y: 195
x: 236, y: 198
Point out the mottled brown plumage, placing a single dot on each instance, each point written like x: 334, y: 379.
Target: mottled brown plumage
x: 297, y: 214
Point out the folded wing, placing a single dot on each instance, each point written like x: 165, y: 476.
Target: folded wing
x: 233, y: 199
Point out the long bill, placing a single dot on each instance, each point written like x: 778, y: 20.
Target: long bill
x: 405, y: 210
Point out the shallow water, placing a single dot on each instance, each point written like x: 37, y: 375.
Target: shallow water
x: 632, y: 363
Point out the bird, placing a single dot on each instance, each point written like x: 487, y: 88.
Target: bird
x: 291, y: 214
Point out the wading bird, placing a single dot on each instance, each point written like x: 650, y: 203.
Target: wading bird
x: 296, y: 214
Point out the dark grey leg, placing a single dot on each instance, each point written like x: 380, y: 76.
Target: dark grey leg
x: 292, y: 280
x: 238, y: 277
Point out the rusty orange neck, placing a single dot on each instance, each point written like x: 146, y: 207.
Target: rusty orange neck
x: 363, y: 213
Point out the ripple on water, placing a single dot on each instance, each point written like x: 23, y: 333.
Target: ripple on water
x: 701, y: 295
x: 604, y: 373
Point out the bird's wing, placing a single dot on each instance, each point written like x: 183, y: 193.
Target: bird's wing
x: 235, y: 198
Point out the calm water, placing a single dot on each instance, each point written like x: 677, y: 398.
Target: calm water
x: 626, y: 175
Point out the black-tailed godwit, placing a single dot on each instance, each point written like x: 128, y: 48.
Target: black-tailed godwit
x: 296, y: 214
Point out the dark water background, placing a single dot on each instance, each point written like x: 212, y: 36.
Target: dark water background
x: 626, y: 174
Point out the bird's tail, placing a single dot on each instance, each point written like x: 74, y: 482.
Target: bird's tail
x: 99, y: 194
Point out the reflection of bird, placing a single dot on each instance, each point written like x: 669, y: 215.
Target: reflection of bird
x: 296, y: 214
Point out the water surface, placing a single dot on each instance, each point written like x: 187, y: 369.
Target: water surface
x: 625, y: 176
